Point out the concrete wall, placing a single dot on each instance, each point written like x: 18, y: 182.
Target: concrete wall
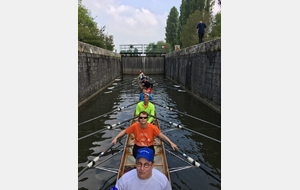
x: 149, y: 65
x: 97, y: 68
x: 198, y: 70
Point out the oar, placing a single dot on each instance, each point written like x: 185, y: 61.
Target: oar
x: 109, y: 127
x: 109, y: 157
x: 92, y: 163
x: 182, y: 127
x: 192, y: 161
x: 121, y: 84
x: 171, y: 109
x: 118, y: 109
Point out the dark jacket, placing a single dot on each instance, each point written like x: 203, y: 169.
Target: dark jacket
x: 148, y: 84
x: 201, y: 27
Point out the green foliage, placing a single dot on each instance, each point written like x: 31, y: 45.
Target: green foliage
x: 172, y: 27
x: 187, y: 8
x: 189, y: 35
x: 89, y: 32
x: 109, y: 40
x: 169, y: 46
x: 216, y: 26
x: 159, y: 47
x: 98, y: 43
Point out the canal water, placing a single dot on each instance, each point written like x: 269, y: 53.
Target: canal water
x: 204, y: 150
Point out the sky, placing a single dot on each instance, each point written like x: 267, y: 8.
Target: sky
x: 134, y: 22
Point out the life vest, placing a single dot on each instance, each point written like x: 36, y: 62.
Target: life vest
x: 149, y: 90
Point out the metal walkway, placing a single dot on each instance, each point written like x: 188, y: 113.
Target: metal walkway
x: 142, y: 50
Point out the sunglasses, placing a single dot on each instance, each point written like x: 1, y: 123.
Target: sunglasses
x: 143, y: 117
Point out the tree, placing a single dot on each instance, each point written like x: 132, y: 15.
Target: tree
x: 109, y: 40
x: 189, y: 35
x: 187, y: 8
x: 216, y: 26
x: 159, y: 47
x: 86, y: 25
x: 89, y: 32
x: 165, y: 46
x: 172, y: 26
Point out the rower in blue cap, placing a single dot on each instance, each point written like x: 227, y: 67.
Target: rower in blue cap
x: 144, y: 176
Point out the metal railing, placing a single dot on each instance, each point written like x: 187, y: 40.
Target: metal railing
x: 139, y: 49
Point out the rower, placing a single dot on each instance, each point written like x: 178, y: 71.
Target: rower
x: 145, y: 176
x: 144, y: 134
x: 143, y: 77
x: 147, y: 84
x: 145, y: 106
x: 144, y: 91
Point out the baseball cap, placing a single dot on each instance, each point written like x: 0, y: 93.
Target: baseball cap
x: 145, y: 153
x: 145, y: 94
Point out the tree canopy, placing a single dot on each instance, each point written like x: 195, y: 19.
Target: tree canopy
x: 158, y: 47
x: 191, y: 12
x: 172, y: 26
x: 189, y: 35
x: 216, y: 26
x: 89, y: 32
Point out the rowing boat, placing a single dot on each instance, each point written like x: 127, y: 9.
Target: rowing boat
x: 160, y: 159
x: 128, y: 162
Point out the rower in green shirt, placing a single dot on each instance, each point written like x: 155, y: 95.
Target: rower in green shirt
x: 145, y: 106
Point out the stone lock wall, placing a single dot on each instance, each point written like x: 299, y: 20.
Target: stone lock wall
x: 97, y: 68
x: 149, y: 65
x: 198, y: 70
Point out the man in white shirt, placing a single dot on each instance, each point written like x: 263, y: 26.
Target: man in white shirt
x: 144, y: 177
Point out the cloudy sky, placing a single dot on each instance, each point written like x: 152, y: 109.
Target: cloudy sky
x: 133, y: 22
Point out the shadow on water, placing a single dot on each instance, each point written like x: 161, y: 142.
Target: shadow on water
x: 206, y: 151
